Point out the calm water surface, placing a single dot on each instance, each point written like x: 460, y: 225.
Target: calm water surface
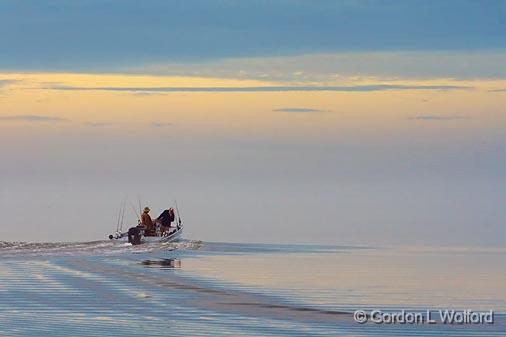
x: 195, y: 288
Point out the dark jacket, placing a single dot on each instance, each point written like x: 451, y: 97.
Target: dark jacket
x: 166, y: 217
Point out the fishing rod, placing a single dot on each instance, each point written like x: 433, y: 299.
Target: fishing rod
x: 122, y: 217
x: 178, y: 216
x: 139, y: 201
x: 119, y: 216
x: 133, y: 209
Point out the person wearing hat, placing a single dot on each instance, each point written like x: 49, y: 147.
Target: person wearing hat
x: 146, y: 220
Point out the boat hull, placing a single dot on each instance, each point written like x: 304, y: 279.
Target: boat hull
x: 172, y: 237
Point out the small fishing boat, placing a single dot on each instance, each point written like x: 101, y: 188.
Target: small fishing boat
x: 140, y: 234
x: 137, y: 235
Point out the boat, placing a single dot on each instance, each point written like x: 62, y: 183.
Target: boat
x: 137, y: 235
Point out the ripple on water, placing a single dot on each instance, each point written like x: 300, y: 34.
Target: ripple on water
x: 104, y: 289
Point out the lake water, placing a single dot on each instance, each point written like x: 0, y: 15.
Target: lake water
x: 194, y: 288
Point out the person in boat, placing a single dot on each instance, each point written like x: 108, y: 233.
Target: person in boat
x: 165, y: 219
x: 146, y: 220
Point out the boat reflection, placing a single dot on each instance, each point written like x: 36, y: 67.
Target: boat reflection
x: 163, y: 263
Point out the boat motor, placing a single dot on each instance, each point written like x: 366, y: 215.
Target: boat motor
x: 134, y: 236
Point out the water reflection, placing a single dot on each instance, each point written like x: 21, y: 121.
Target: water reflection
x: 163, y: 263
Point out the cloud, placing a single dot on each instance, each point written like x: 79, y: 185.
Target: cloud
x: 317, y: 67
x: 4, y: 83
x: 297, y: 110
x: 32, y: 118
x: 98, y: 124
x: 161, y: 125
x: 355, y: 88
x: 178, y: 31
x: 436, y: 118
x: 497, y: 90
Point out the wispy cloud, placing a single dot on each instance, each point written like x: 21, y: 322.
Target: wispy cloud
x: 320, y: 68
x: 497, y: 90
x: 4, y: 83
x: 355, y: 88
x: 437, y: 118
x: 161, y: 125
x: 303, y: 110
x: 98, y: 124
x: 32, y: 118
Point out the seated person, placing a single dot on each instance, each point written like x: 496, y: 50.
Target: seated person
x: 146, y: 221
x: 165, y: 219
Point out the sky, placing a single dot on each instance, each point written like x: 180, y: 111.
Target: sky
x: 290, y: 121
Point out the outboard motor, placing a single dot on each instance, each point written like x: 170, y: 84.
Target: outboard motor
x: 134, y: 236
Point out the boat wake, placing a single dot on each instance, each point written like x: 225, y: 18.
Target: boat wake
x: 189, y: 287
x: 102, y: 247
